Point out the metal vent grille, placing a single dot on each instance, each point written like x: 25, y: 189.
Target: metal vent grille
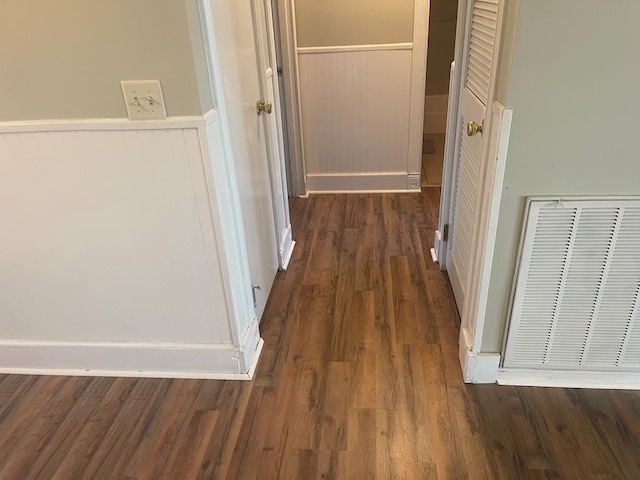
x: 484, y: 22
x: 577, y: 296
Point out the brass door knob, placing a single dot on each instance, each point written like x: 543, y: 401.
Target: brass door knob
x: 262, y: 106
x: 473, y: 128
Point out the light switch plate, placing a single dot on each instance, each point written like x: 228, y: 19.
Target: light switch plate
x: 144, y: 99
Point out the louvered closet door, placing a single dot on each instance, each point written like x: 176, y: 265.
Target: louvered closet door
x: 480, y: 51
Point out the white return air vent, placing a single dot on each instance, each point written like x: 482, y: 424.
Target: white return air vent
x: 576, y: 305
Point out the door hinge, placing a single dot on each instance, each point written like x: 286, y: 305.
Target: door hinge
x: 253, y: 293
x: 445, y: 232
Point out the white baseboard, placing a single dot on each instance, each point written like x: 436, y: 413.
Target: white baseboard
x: 477, y: 367
x: 413, y: 181
x: 223, y: 362
x: 286, y: 249
x: 354, y: 48
x: 569, y: 379
x: 286, y: 258
x: 358, y: 182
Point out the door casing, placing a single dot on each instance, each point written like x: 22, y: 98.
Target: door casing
x: 494, y: 151
x: 279, y: 202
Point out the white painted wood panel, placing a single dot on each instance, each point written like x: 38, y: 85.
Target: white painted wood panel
x: 117, y: 257
x: 356, y: 112
x: 102, y: 239
x: 576, y: 302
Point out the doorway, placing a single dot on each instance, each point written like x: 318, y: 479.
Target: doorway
x: 441, y: 50
x: 360, y: 101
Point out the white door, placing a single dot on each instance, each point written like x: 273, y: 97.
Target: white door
x: 235, y: 51
x: 274, y: 128
x: 476, y: 93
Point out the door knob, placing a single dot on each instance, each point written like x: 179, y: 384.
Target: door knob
x: 473, y: 128
x: 262, y: 106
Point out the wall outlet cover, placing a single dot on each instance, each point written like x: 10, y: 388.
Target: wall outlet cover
x: 144, y: 99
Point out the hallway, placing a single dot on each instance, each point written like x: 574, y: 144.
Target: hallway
x: 359, y: 378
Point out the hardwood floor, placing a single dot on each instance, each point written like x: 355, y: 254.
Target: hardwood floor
x: 359, y: 379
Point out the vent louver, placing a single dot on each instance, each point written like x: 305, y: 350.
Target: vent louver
x: 576, y: 300
x: 484, y: 22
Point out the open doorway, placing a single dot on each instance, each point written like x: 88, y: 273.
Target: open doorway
x: 441, y: 50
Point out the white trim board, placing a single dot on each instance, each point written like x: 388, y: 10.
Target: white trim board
x: 497, y: 152
x: 418, y: 84
x: 291, y: 94
x: 285, y: 250
x: 354, y: 48
x: 476, y: 367
x: 358, y: 182
x: 102, y: 124
x: 569, y: 379
x: 160, y: 360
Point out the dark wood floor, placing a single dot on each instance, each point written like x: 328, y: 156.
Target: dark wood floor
x: 359, y: 379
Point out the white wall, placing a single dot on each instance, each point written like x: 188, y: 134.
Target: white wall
x: 355, y: 116
x: 574, y: 93
x: 120, y: 248
x: 356, y: 92
x: 113, y: 261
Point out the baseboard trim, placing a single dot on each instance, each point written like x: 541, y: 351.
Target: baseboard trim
x: 413, y: 181
x: 130, y: 359
x: 477, y: 367
x: 358, y: 182
x: 354, y: 48
x: 569, y: 379
x: 286, y: 258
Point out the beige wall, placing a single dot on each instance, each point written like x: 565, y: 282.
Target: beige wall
x: 65, y: 58
x: 353, y: 22
x: 507, y: 45
x: 574, y: 93
x: 442, y: 40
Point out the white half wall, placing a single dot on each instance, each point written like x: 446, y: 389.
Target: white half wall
x: 112, y: 252
x: 355, y: 104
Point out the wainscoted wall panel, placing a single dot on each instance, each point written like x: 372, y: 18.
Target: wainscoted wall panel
x: 355, y: 115
x: 110, y: 252
x: 102, y: 238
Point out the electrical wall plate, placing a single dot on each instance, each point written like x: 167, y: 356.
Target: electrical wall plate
x: 143, y: 99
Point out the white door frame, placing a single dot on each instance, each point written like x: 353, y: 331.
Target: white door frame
x: 233, y: 253
x: 451, y: 152
x: 477, y: 367
x: 238, y: 255
x: 419, y: 52
x: 289, y: 51
x: 274, y: 129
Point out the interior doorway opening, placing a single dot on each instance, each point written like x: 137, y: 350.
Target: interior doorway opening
x: 440, y: 54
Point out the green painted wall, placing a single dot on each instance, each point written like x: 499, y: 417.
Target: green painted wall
x: 322, y: 23
x: 575, y: 94
x: 65, y: 58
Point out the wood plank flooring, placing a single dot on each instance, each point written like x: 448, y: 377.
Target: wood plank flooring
x: 359, y: 379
